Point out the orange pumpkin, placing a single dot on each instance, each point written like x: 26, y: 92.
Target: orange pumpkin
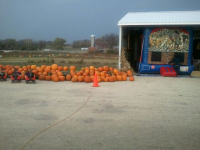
x: 40, y: 70
x: 124, y: 74
x: 10, y: 72
x: 105, y: 68
x: 119, y: 73
x: 119, y: 78
x: 41, y: 77
x: 17, y: 67
x: 54, y: 73
x: 68, y: 77
x: 124, y: 78
x: 59, y: 73
x: 54, y: 66
x: 83, y: 69
x: 72, y: 68
x: 129, y: 73
x: 44, y: 73
x: 22, y: 76
x: 75, y: 76
x: 87, y: 79
x: 47, y: 69
x: 60, y: 68
x: 52, y: 77
x: 55, y: 79
x: 8, y: 66
x: 85, y: 74
x: 98, y: 78
x: 74, y: 79
x: 115, y: 71
x: 39, y: 73
x: 87, y: 68
x: 114, y: 78
x: 73, y: 73
x: 28, y: 66
x: 100, y: 69
x: 53, y: 70
x: 102, y: 78
x: 33, y: 67
x: 131, y: 79
x: 65, y: 68
x: 48, y: 78
x: 91, y: 67
x: 111, y: 69
x: 78, y: 73
x: 35, y: 72
x: 106, y: 79
x: 98, y: 73
x: 102, y: 74
x: 87, y: 71
x: 92, y: 74
x: 91, y: 78
x: 24, y: 69
x: 61, y: 78
x: 110, y: 79
x: 43, y: 67
x: 80, y: 78
x: 20, y: 69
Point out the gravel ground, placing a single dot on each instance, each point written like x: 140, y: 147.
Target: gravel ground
x: 153, y: 113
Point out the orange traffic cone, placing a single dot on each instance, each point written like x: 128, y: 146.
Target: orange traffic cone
x: 95, y: 83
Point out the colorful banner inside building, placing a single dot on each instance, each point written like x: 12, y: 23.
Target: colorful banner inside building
x: 169, y: 40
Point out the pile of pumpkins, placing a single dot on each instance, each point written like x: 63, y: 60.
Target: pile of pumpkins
x: 86, y: 74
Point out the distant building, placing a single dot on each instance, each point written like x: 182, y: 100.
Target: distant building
x: 100, y: 44
x: 84, y: 48
x: 46, y: 50
x: 92, y: 48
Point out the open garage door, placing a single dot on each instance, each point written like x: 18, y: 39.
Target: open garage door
x: 131, y: 48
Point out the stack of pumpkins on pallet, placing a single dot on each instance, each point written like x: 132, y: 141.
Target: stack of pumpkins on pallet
x: 86, y: 74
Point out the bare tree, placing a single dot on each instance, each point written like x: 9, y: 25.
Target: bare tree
x: 112, y: 39
x: 41, y: 44
x: 10, y: 43
x: 28, y: 43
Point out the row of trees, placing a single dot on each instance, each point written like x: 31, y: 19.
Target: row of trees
x: 110, y: 39
x: 29, y: 44
x: 80, y: 44
x: 58, y: 43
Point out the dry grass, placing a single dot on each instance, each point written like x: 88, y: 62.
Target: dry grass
x: 79, y: 62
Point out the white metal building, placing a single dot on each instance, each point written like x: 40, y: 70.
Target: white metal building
x: 134, y: 25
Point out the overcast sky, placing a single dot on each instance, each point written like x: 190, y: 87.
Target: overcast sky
x: 74, y: 19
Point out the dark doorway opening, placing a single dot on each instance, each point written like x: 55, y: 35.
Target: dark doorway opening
x: 134, y: 46
x: 196, y: 49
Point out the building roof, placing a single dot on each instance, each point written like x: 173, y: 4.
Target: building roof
x: 161, y: 18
